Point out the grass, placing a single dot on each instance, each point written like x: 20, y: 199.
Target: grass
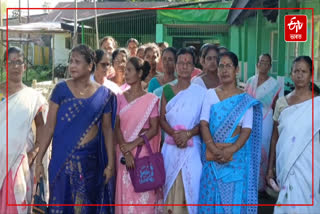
x: 38, y: 72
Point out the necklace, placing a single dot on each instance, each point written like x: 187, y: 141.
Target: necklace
x: 84, y: 91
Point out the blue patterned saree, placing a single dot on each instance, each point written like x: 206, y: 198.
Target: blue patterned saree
x: 76, y: 170
x: 235, y: 182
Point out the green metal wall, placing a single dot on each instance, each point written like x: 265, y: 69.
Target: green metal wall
x: 195, y: 27
x: 243, y: 37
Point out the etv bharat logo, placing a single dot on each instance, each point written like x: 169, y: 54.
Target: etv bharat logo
x: 295, y: 28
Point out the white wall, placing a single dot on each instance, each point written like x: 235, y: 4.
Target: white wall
x: 61, y: 54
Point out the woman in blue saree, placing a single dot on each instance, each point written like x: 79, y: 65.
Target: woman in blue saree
x: 231, y: 125
x: 80, y: 121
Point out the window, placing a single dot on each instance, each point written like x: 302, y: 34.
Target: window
x: 68, y: 42
x: 274, y: 52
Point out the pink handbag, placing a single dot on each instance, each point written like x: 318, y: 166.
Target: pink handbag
x: 170, y: 140
x: 148, y: 172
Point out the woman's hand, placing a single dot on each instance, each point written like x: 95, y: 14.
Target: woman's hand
x: 108, y: 173
x: 32, y: 155
x: 227, y: 153
x: 39, y: 172
x: 129, y: 160
x: 269, y: 175
x: 217, y: 153
x: 181, y: 138
x: 127, y: 147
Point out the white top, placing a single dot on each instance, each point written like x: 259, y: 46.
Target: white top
x: 199, y: 81
x: 109, y: 84
x: 212, y: 98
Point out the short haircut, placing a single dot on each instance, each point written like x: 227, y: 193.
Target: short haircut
x: 172, y: 50
x: 209, y: 48
x: 267, y: 55
x: 306, y: 59
x: 116, y: 53
x: 115, y: 44
x: 187, y: 50
x: 132, y: 40
x: 232, y: 56
x: 88, y: 54
x: 12, y: 50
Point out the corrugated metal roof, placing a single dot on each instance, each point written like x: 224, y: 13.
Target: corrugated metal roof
x: 38, y: 27
x: 238, y: 16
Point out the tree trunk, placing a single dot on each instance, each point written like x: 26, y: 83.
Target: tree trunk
x: 75, y: 29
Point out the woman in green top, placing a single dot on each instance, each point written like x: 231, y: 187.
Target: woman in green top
x: 179, y: 118
x: 168, y: 60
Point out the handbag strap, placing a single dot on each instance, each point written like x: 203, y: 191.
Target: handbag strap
x: 140, y: 147
x: 41, y: 186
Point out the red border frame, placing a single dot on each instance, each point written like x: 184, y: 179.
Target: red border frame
x: 312, y: 44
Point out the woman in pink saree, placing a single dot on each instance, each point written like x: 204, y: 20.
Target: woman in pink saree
x: 137, y: 114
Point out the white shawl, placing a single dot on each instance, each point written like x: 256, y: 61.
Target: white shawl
x: 294, y: 157
x: 184, y: 109
x: 22, y: 109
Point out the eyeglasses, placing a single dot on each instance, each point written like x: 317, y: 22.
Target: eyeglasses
x: 226, y: 66
x: 188, y: 64
x: 19, y: 63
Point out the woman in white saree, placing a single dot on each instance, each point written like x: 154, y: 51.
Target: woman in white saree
x: 25, y: 106
x: 266, y: 89
x: 179, y: 118
x: 294, y: 147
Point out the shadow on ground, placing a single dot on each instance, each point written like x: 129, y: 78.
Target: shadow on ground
x: 264, y: 198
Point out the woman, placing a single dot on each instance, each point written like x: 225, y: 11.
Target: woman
x: 201, y: 61
x: 291, y: 145
x: 265, y: 89
x: 231, y: 130
x: 25, y: 107
x: 108, y: 44
x: 151, y: 55
x: 162, y: 46
x: 80, y: 121
x: 103, y: 64
x: 196, y: 71
x: 119, y: 61
x: 180, y: 114
x: 137, y: 115
x: 210, y: 77
x: 168, y: 60
x: 140, y: 52
x: 132, y: 46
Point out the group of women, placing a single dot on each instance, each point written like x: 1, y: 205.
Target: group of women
x: 214, y: 144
